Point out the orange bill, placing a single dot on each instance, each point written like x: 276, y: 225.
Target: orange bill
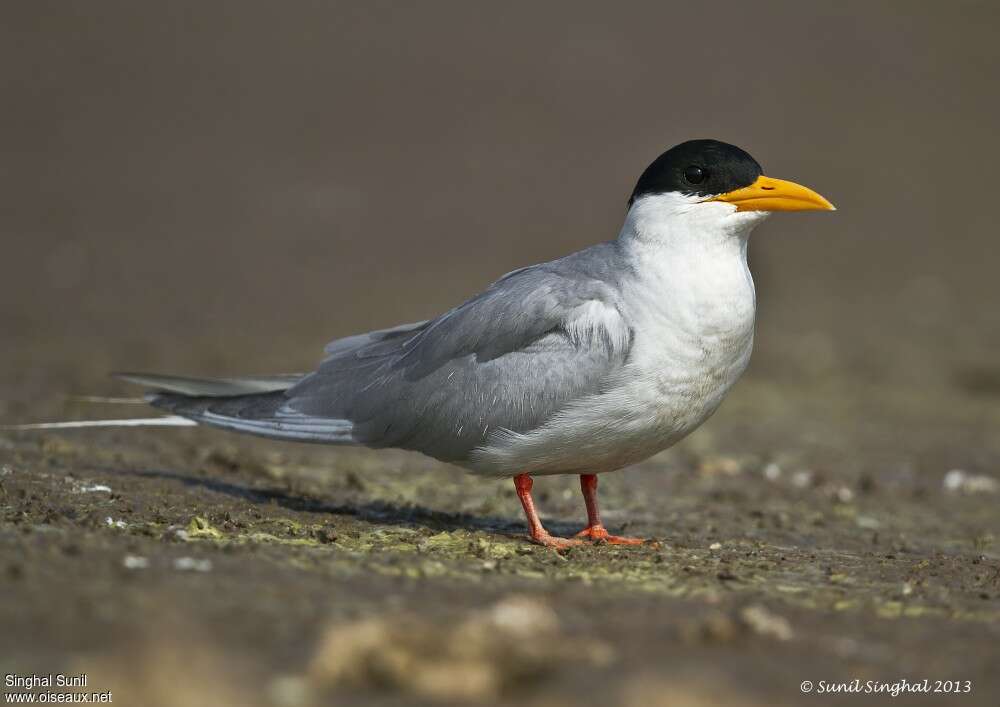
x: 769, y: 194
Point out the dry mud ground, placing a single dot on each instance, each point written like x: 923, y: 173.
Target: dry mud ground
x: 192, y: 567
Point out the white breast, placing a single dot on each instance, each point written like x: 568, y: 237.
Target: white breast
x: 693, y: 319
x: 689, y: 301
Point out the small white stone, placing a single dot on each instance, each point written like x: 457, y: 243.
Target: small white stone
x: 112, y: 523
x: 191, y: 564
x: 845, y: 495
x: 802, y: 478
x: 715, y: 547
x: 954, y: 479
x: 177, y: 532
x: 767, y: 624
x: 981, y: 484
x: 772, y: 472
x: 96, y: 488
x: 959, y: 481
x: 134, y: 562
x: 289, y: 691
x: 521, y: 616
x: 868, y: 522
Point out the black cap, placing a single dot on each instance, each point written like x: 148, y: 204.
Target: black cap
x: 698, y: 168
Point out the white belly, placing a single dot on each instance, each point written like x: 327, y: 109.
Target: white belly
x: 692, y: 337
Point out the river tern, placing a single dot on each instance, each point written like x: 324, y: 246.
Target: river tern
x: 582, y: 365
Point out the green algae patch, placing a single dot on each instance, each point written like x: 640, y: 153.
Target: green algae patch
x: 261, y: 537
x: 200, y: 529
x: 846, y: 605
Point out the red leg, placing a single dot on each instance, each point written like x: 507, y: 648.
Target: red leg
x: 595, y: 530
x: 523, y: 484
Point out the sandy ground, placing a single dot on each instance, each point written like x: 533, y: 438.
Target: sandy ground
x: 222, y: 188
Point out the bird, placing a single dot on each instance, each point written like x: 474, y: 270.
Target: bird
x: 582, y: 365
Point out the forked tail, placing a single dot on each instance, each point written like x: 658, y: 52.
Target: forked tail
x: 252, y: 405
x: 171, y: 393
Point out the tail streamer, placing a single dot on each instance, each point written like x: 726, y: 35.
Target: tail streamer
x: 171, y: 421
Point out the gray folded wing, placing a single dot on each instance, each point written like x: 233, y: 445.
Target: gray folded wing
x: 507, y: 359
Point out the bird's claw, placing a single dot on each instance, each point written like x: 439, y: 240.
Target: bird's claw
x: 600, y: 534
x: 552, y: 541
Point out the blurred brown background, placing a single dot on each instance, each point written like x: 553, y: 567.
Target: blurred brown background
x: 223, y: 187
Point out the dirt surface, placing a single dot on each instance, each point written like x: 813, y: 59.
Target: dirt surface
x: 213, y: 189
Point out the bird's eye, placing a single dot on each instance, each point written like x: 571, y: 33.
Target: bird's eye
x: 695, y: 174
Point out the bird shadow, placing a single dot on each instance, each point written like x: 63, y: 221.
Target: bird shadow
x: 380, y: 512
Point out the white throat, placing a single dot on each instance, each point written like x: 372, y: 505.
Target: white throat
x: 689, y: 260
x: 677, y: 222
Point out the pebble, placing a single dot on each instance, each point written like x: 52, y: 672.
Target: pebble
x: 803, y: 478
x: 175, y: 532
x: 473, y: 658
x: 765, y: 623
x: 134, y: 562
x: 960, y: 481
x: 191, y: 564
x: 96, y: 488
x: 289, y: 691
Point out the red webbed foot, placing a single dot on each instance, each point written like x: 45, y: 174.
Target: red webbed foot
x: 552, y: 541
x: 600, y: 534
